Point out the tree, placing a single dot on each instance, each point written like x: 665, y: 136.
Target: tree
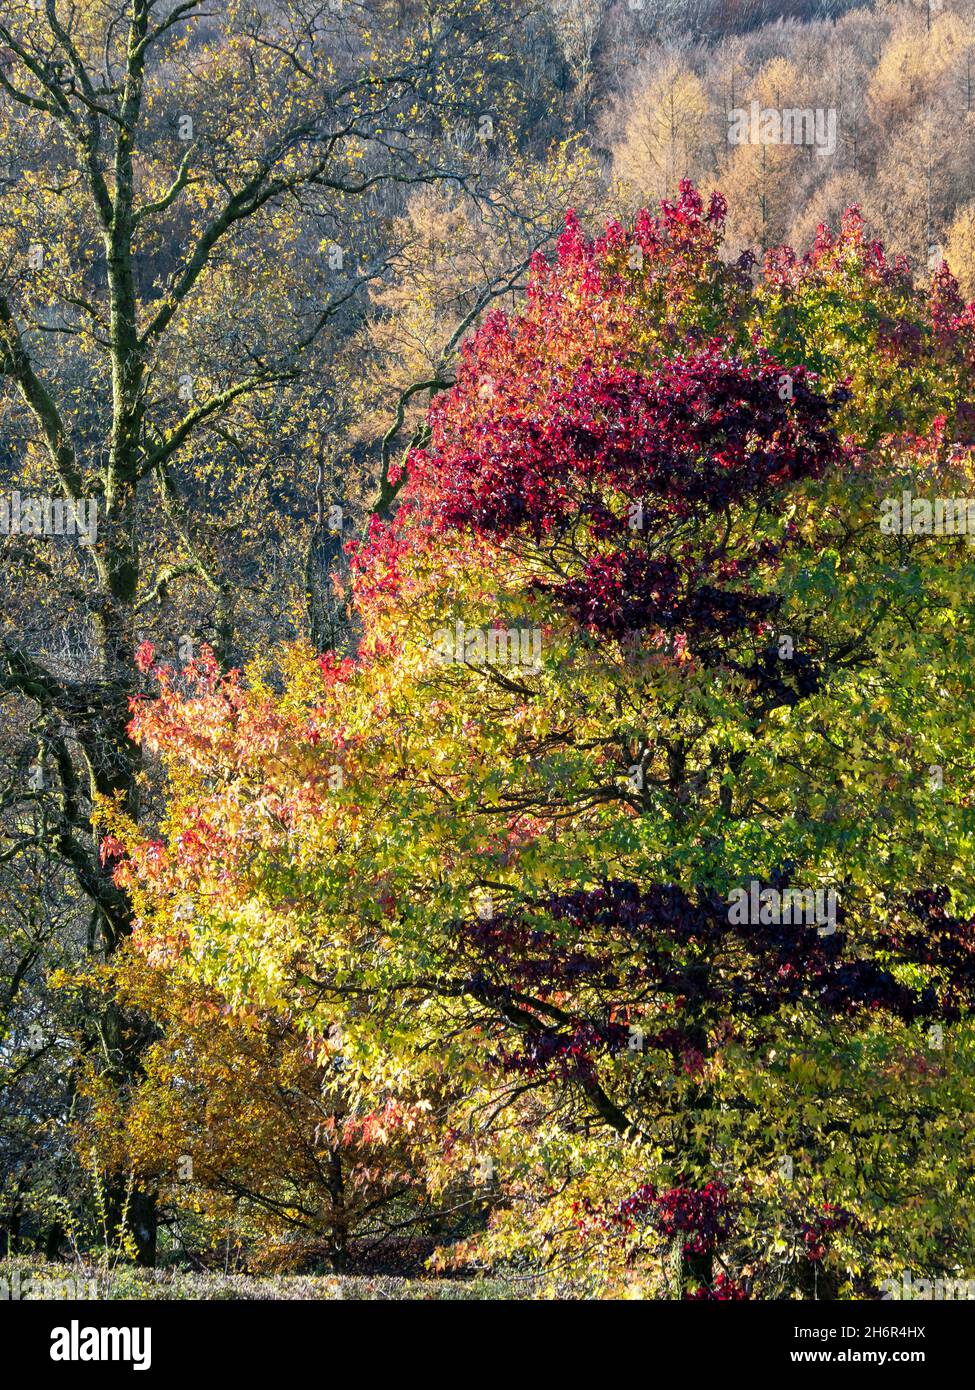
x: 189, y: 217
x: 665, y: 134
x: 578, y: 24
x: 642, y: 811
x: 762, y: 172
x: 241, y: 1125
x: 960, y: 248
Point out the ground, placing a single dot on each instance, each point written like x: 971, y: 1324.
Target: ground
x: 26, y: 1277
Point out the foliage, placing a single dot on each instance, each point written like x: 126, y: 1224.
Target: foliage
x: 494, y: 863
x: 248, y: 1141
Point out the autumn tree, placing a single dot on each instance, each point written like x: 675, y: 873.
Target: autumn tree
x: 959, y: 248
x: 665, y: 124
x: 764, y: 170
x: 578, y: 24
x: 247, y: 1133
x: 640, y: 665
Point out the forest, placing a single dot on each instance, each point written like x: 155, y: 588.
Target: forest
x: 487, y: 695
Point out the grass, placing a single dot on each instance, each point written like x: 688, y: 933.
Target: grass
x: 34, y: 1278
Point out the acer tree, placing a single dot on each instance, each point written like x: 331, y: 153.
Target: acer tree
x: 517, y: 865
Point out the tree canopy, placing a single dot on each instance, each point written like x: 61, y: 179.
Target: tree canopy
x: 631, y: 842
